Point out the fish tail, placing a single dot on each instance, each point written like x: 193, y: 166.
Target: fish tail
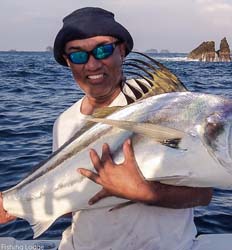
x: 23, y: 209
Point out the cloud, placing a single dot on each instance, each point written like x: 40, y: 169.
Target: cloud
x: 218, y: 11
x: 217, y: 18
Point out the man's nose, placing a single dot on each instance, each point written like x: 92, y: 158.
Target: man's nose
x: 93, y: 63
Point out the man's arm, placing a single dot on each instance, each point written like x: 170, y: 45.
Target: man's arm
x: 125, y: 180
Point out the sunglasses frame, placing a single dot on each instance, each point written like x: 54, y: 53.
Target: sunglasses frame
x: 93, y: 52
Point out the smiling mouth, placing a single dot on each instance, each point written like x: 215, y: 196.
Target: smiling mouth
x: 95, y: 77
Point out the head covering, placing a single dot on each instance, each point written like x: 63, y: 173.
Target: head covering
x: 89, y: 22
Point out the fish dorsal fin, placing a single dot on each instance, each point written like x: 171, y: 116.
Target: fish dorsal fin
x: 159, y: 133
x: 152, y: 76
x: 150, y: 79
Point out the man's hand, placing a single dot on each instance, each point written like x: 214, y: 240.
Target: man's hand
x: 4, y: 216
x: 122, y: 180
x: 125, y: 180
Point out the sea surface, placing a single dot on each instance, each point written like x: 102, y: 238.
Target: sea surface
x: 34, y: 90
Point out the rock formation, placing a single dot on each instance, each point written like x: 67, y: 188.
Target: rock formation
x: 224, y: 52
x: 206, y: 52
x: 165, y: 51
x: 151, y: 51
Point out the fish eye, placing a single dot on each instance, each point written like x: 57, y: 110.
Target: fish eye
x: 214, y: 129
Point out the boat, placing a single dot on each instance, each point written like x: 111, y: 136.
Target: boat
x: 202, y: 242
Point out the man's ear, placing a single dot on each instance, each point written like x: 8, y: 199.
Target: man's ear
x: 67, y: 60
x: 122, y: 50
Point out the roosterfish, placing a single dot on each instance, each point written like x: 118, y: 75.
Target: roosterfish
x: 179, y: 138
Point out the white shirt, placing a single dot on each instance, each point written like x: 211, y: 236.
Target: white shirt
x: 135, y: 227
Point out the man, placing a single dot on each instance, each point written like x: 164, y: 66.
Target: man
x: 93, y: 45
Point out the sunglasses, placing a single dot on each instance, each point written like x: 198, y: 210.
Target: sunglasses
x: 99, y: 53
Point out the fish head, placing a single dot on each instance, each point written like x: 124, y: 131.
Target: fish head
x: 217, y: 136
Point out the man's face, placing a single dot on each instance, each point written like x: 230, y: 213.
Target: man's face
x: 97, y: 78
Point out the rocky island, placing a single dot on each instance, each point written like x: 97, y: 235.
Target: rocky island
x: 155, y: 51
x: 206, y: 52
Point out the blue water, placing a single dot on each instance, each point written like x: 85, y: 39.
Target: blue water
x: 34, y: 89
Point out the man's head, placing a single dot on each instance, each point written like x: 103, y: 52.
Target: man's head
x: 87, y: 23
x: 98, y: 78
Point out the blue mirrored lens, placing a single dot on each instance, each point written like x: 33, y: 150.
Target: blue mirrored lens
x: 103, y: 51
x: 79, y: 57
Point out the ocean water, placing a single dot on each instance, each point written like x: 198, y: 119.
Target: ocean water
x: 34, y: 90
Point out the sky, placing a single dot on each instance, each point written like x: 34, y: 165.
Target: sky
x: 176, y: 25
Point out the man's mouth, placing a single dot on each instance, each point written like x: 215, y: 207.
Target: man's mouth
x: 95, y: 77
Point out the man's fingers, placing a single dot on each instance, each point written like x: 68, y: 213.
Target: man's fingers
x: 95, y: 159
x: 128, y: 151
x: 10, y: 217
x: 98, y: 196
x: 4, y: 216
x: 106, y: 155
x: 89, y: 174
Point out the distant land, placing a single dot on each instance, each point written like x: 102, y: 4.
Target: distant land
x: 152, y: 51
x: 49, y: 48
x: 156, y: 51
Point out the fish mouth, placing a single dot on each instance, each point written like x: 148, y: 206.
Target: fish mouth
x: 217, y: 137
x: 228, y: 150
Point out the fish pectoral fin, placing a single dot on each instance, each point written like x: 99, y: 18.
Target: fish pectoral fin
x: 176, y: 180
x: 162, y: 134
x: 121, y: 205
x: 171, y: 177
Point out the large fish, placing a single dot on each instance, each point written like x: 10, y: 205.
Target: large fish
x: 179, y: 138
